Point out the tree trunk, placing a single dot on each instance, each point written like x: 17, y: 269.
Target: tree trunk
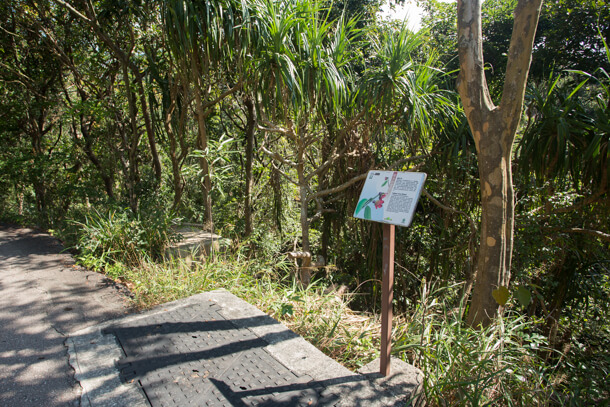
x: 497, y: 218
x: 132, y: 178
x: 37, y: 132
x: 494, y: 129
x: 88, y: 149
x: 202, y: 142
x: 149, y: 130
x: 305, y: 271
x: 175, y: 134
x: 563, y: 274
x: 173, y: 147
x: 202, y: 139
x: 250, y: 127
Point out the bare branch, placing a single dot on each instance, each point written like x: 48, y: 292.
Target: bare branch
x: 471, y: 222
x: 339, y: 188
x: 319, y: 214
x: 277, y: 157
x: 401, y: 162
x: 271, y: 128
x: 288, y: 177
x: 73, y: 10
x: 26, y: 80
x: 333, y: 158
x: 595, y: 233
x: 223, y: 95
x: 9, y: 33
x: 360, y: 177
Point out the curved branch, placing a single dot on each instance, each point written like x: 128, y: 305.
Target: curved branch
x: 595, y: 233
x: 471, y: 222
x: 471, y: 244
x: 339, y: 188
x: 277, y: 157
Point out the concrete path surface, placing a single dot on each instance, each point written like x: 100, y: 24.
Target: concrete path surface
x: 44, y: 297
x: 65, y: 340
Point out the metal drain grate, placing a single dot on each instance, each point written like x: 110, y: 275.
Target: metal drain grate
x: 193, y: 356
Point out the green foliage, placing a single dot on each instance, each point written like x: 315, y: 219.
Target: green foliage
x: 359, y: 94
x: 571, y: 35
x: 497, y: 365
x: 564, y: 139
x: 566, y: 37
x: 118, y: 237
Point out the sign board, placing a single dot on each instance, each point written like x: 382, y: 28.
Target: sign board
x: 390, y: 197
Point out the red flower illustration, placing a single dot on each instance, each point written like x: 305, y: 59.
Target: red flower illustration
x: 379, y: 203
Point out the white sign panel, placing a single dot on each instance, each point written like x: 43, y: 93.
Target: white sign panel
x: 390, y: 197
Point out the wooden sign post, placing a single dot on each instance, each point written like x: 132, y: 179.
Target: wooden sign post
x: 387, y: 295
x: 401, y: 191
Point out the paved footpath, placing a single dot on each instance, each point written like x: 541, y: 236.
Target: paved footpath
x: 44, y: 297
x: 212, y: 349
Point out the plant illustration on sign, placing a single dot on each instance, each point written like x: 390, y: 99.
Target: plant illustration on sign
x: 377, y: 200
x: 393, y: 194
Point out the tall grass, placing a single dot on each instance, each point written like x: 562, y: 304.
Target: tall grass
x: 112, y: 240
x: 502, y: 364
x: 462, y: 366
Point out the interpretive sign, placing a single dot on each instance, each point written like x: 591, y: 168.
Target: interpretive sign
x: 390, y: 197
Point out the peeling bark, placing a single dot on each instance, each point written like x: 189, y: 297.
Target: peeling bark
x: 494, y: 129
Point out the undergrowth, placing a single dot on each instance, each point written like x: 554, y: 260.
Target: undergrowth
x: 505, y: 364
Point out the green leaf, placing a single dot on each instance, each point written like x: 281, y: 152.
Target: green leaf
x: 501, y: 295
x: 287, y: 309
x: 524, y: 296
x: 367, y: 212
x: 360, y: 205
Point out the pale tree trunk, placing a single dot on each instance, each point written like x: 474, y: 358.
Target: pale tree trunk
x: 305, y: 270
x: 149, y: 130
x: 176, y: 138
x: 202, y: 143
x: 202, y: 136
x: 494, y: 129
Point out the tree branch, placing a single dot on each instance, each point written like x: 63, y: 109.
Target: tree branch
x: 595, y: 233
x: 223, y: 95
x: 471, y: 222
x: 339, y: 188
x: 288, y: 177
x: 73, y: 10
x: 277, y: 157
x: 270, y: 128
x: 520, y: 55
x: 334, y: 157
x: 360, y: 177
x: 472, y: 84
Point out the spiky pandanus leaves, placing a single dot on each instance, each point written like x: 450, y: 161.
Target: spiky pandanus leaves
x: 301, y: 57
x: 401, y: 90
x: 206, y: 27
x: 204, y: 37
x: 568, y: 138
